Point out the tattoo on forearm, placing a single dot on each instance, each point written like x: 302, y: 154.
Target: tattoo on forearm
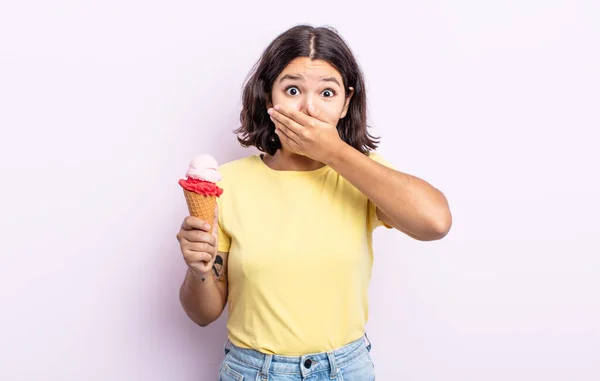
x: 219, y: 270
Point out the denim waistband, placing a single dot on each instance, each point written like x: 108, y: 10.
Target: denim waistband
x: 304, y: 365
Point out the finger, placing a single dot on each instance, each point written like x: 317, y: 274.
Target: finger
x: 284, y: 139
x: 283, y: 127
x: 287, y: 133
x: 203, y: 268
x: 199, y: 255
x: 199, y: 236
x: 299, y: 117
x: 201, y: 247
x: 191, y: 222
x: 289, y: 123
x: 195, y: 257
x: 316, y: 113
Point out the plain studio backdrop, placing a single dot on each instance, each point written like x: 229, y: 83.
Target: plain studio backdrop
x: 497, y: 103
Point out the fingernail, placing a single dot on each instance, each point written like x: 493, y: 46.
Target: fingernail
x: 207, y: 227
x: 278, y: 107
x: 270, y: 111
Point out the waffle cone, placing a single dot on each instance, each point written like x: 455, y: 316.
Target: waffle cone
x: 201, y: 206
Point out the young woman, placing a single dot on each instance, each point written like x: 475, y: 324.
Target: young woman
x: 290, y: 248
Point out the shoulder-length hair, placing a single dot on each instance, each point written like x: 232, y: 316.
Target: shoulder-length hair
x: 318, y: 44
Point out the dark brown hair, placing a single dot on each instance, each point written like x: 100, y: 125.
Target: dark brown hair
x: 318, y: 44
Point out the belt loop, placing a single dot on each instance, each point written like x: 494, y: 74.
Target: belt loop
x: 368, y: 342
x: 264, y: 372
x: 332, y: 365
x: 227, y: 346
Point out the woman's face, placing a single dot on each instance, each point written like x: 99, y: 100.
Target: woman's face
x: 305, y: 81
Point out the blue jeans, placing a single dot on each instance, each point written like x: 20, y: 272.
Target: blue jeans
x: 351, y: 362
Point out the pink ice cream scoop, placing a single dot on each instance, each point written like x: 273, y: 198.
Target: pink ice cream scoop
x: 204, y: 167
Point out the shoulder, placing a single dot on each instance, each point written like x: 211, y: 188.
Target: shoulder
x: 375, y: 156
x: 239, y: 165
x: 239, y: 169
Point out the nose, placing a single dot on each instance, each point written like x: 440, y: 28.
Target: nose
x: 306, y: 100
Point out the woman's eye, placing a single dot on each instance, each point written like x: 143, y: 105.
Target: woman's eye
x: 328, y: 93
x: 292, y: 91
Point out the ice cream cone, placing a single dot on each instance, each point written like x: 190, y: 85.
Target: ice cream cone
x: 200, y: 188
x: 201, y: 206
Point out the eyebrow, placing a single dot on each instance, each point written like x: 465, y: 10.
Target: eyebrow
x: 298, y: 77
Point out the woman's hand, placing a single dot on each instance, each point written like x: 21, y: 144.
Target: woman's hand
x: 198, y: 242
x: 307, y: 135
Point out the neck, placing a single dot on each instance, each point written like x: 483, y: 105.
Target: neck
x: 287, y: 161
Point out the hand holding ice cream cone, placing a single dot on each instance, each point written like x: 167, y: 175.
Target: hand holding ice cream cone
x: 199, y: 241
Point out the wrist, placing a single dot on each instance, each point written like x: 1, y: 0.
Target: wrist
x: 337, y: 153
x: 197, y: 275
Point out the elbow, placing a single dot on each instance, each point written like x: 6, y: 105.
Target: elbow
x: 441, y: 225
x: 441, y: 219
x: 437, y: 227
x: 436, y: 219
x: 432, y: 227
x: 202, y: 323
x: 192, y: 310
x: 441, y: 230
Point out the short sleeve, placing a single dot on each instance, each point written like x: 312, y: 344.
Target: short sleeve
x: 374, y: 221
x: 224, y: 238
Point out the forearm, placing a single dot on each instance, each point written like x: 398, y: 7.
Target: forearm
x: 412, y: 204
x: 201, y: 298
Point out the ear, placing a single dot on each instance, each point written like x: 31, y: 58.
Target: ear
x: 269, y: 102
x: 347, y: 103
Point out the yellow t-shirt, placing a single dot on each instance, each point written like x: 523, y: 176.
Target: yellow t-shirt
x: 300, y: 257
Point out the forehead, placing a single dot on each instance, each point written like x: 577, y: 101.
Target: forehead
x: 310, y: 69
